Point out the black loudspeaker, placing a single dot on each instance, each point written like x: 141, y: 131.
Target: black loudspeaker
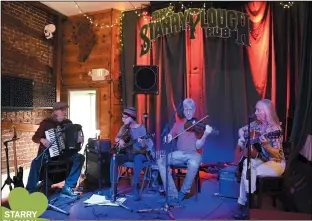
x: 97, y: 168
x: 145, y: 79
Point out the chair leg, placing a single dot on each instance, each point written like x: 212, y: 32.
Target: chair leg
x: 46, y: 182
x: 174, y: 177
x: 198, y: 182
x: 196, y: 186
x: 259, y: 195
x: 146, y: 177
x: 179, y: 181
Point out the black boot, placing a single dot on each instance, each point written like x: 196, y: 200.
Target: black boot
x: 252, y: 202
x: 242, y: 212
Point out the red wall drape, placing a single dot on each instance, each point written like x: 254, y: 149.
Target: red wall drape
x: 262, y: 45
x: 141, y: 60
x: 195, y: 70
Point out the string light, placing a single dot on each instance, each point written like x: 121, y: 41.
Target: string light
x: 286, y: 4
x: 119, y: 22
x: 100, y: 25
x: 139, y: 12
x: 120, y: 31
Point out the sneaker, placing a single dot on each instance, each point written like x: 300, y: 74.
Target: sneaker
x: 68, y: 192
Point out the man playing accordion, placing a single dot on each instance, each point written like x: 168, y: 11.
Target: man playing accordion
x: 57, y: 120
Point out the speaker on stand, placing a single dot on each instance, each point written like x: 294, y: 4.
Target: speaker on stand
x: 146, y: 81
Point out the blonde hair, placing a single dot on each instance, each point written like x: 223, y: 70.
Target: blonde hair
x: 188, y: 102
x: 270, y: 113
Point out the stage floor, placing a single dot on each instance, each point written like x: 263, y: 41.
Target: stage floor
x: 208, y: 206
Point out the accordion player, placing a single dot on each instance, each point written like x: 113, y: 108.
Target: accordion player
x: 67, y: 138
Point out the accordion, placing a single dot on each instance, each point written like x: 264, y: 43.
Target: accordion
x: 63, y: 139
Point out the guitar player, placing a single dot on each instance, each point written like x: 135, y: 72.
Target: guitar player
x: 270, y: 161
x: 133, y: 131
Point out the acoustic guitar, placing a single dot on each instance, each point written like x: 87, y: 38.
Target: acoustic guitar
x: 137, y: 147
x: 255, y: 150
x: 18, y: 178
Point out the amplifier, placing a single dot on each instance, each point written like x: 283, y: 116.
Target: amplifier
x: 97, y: 167
x: 102, y: 145
x: 228, y: 185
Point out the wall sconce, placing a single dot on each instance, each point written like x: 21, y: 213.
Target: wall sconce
x: 99, y: 74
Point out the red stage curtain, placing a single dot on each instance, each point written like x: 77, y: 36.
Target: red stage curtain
x: 261, y: 51
x: 195, y: 77
x: 142, y: 104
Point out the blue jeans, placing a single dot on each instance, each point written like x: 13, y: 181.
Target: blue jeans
x: 138, y: 161
x: 71, y: 180
x: 191, y: 158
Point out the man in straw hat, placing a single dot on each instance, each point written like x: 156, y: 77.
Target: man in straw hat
x: 137, y: 133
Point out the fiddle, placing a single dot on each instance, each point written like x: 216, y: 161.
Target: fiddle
x: 197, y: 127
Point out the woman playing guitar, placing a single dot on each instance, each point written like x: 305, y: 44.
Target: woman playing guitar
x: 132, y: 143
x: 267, y: 159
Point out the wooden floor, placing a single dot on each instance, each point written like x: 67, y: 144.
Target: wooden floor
x: 208, y: 205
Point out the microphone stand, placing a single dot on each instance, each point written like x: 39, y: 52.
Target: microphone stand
x: 8, y: 180
x: 166, y: 208
x: 45, y: 156
x: 114, y: 183
x: 248, y: 175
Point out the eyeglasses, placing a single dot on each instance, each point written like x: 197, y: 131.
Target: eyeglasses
x: 188, y: 110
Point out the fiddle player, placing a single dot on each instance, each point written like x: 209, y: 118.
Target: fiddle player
x: 135, y: 131
x: 186, y: 153
x: 58, y: 118
x: 270, y: 161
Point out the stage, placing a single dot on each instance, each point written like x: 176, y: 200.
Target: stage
x: 208, y: 205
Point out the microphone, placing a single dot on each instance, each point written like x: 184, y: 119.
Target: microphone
x: 251, y: 116
x: 165, y: 131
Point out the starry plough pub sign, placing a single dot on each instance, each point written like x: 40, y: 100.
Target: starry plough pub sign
x: 218, y: 23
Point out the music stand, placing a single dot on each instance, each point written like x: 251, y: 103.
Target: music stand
x: 45, y: 156
x: 166, y: 208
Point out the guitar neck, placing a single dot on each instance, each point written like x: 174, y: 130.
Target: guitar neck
x: 254, y: 141
x: 136, y: 140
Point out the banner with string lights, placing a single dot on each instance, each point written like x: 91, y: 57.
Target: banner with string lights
x: 218, y: 23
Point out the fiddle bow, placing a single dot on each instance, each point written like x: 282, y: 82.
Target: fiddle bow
x: 193, y: 125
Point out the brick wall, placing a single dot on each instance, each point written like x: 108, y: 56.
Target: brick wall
x: 27, y: 54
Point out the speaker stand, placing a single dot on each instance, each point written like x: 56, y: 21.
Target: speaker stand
x: 145, y: 114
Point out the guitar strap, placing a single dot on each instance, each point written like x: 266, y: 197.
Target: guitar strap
x: 262, y: 157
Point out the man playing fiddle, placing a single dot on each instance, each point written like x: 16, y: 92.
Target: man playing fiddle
x: 131, y: 129
x: 186, y: 153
